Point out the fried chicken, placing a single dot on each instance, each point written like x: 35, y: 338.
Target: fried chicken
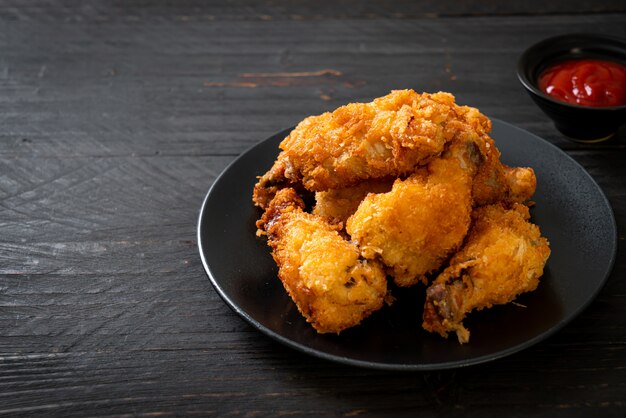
x: 389, y: 136
x: 331, y: 284
x: 496, y: 182
x: 504, y: 255
x: 521, y: 184
x: 422, y: 220
x: 337, y: 205
x: 407, y: 185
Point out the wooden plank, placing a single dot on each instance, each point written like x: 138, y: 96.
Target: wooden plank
x: 194, y: 10
x: 116, y: 117
x: 66, y: 383
x: 113, y: 324
x: 102, y: 91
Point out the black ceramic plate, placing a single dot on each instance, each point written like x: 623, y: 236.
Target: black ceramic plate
x: 571, y: 210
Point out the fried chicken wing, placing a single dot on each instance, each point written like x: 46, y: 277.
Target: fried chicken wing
x: 503, y: 256
x: 389, y: 136
x: 496, y: 182
x: 414, y: 227
x: 331, y: 284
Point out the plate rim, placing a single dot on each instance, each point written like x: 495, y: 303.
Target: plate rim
x: 402, y: 366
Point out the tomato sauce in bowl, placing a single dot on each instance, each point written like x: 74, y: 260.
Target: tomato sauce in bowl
x: 579, y: 81
x: 585, y: 82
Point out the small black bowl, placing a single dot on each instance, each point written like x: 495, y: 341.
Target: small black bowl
x: 580, y: 123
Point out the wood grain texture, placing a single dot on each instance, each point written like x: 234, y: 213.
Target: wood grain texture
x: 298, y: 10
x: 115, y: 119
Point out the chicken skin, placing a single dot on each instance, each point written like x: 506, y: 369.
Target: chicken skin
x: 331, y: 284
x: 389, y: 136
x: 504, y: 255
x: 413, y: 228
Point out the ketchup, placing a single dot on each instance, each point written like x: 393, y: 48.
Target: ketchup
x: 586, y: 82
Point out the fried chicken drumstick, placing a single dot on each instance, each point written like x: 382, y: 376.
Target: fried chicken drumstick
x: 503, y: 256
x: 332, y: 286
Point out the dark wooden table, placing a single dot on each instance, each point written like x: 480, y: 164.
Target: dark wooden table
x: 116, y: 117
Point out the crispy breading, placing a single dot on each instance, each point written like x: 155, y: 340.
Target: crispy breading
x: 337, y: 205
x: 389, y: 136
x: 422, y: 220
x: 496, y: 182
x: 521, y: 184
x: 504, y: 255
x: 331, y: 284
